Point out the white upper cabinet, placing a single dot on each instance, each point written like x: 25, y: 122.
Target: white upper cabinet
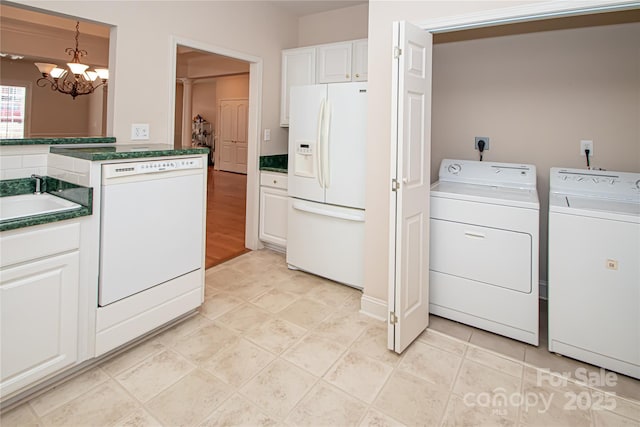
x: 326, y: 63
x: 334, y: 63
x: 298, y: 68
x: 359, y: 62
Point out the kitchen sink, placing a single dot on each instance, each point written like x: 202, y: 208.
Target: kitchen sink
x: 12, y: 207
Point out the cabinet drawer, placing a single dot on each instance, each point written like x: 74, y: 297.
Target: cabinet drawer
x: 273, y: 179
x: 39, y: 241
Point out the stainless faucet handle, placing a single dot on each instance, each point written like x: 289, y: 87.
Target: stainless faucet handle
x: 39, y: 183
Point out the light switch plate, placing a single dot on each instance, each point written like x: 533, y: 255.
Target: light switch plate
x: 140, y: 131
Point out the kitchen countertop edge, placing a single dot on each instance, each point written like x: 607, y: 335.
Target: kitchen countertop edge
x: 59, y: 141
x: 98, y: 156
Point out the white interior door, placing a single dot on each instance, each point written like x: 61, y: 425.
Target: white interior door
x: 233, y: 135
x: 409, y: 234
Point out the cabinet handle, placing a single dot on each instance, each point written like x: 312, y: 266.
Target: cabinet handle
x: 347, y: 76
x: 275, y: 181
x: 357, y: 76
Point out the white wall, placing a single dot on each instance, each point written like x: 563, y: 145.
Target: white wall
x: 349, y: 23
x: 140, y: 51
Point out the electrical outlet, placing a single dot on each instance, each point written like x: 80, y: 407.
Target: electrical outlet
x: 482, y: 138
x: 586, y: 145
x: 267, y: 134
x: 140, y: 131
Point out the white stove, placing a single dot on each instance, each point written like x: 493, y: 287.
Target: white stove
x: 484, y: 247
x: 594, y: 267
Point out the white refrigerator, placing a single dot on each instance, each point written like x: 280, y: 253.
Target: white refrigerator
x: 326, y: 182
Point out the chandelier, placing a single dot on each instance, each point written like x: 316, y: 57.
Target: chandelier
x: 79, y: 81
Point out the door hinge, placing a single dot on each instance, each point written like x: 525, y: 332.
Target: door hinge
x: 396, y: 52
x: 393, y: 319
x: 395, y: 185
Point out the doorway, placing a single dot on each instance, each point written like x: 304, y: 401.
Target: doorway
x: 206, y: 81
x: 405, y: 293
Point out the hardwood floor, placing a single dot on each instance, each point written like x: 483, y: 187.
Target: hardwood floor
x: 226, y: 213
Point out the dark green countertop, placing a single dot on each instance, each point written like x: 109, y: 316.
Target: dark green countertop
x: 126, y: 151
x: 274, y: 163
x: 65, y: 190
x: 59, y: 141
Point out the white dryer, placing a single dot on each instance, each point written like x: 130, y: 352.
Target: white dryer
x: 594, y: 267
x: 484, y: 247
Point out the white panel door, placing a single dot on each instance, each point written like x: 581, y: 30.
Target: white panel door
x: 411, y: 121
x: 304, y: 132
x: 233, y: 126
x: 347, y: 104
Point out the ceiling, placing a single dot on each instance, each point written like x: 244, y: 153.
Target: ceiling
x: 308, y: 7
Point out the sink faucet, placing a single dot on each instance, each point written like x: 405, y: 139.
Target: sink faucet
x: 39, y: 183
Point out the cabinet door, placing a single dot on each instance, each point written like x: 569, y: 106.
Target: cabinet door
x: 233, y: 135
x: 298, y: 68
x: 273, y: 216
x: 334, y: 63
x: 360, y: 58
x: 38, y: 320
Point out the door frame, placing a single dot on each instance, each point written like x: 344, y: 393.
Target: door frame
x: 254, y: 122
x: 489, y: 18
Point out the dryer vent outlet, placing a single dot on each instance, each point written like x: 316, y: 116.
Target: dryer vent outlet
x: 482, y: 138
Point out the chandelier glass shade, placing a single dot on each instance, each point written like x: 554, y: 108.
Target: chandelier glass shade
x: 75, y: 81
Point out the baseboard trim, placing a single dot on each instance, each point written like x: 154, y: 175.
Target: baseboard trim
x: 373, y: 307
x: 377, y: 308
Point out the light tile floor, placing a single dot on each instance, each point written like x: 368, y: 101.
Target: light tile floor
x: 272, y: 346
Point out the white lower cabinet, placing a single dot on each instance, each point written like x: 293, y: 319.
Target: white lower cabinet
x: 273, y: 209
x: 38, y: 304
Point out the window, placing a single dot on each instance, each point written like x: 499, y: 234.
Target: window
x: 12, y: 109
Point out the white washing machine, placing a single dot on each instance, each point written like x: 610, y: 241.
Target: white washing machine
x: 483, y: 267
x: 594, y: 267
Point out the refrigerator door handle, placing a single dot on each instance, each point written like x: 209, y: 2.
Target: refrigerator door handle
x: 326, y: 122
x: 318, y: 152
x: 358, y: 217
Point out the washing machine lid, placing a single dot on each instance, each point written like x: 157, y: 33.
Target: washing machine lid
x: 492, y: 194
x: 616, y: 210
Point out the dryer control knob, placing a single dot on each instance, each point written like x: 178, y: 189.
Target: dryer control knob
x: 454, y: 168
x: 638, y: 184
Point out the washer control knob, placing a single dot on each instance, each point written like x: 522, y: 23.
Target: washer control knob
x: 638, y: 184
x: 454, y: 168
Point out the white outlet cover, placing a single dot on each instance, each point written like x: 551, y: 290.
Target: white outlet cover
x: 585, y: 143
x: 140, y: 131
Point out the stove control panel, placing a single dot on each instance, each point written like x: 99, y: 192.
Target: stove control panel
x: 606, y: 184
